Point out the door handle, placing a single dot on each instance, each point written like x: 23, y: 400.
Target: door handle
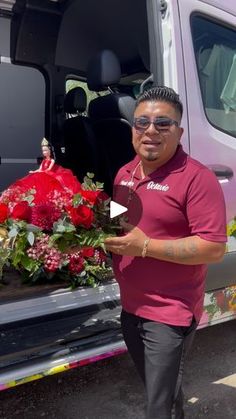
x: 221, y: 171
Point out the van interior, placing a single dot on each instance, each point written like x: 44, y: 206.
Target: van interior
x: 82, y: 65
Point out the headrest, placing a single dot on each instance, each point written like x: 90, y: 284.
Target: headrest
x: 117, y: 105
x: 103, y: 71
x: 75, y: 101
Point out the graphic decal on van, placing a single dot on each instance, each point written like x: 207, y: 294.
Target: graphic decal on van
x: 231, y: 233
x: 219, y: 306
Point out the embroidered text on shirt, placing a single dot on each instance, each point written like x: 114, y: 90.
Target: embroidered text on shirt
x: 158, y: 186
x: 127, y: 183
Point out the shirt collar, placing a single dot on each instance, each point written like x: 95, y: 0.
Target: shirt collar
x: 176, y: 164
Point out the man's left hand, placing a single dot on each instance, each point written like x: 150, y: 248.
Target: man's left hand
x: 131, y: 244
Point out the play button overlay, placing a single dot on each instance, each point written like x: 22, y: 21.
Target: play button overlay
x: 116, y: 209
x: 127, y: 199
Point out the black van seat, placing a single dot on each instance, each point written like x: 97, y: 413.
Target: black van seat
x: 75, y: 101
x: 111, y: 115
x: 80, y: 143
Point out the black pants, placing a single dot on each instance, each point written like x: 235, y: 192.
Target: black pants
x: 158, y: 351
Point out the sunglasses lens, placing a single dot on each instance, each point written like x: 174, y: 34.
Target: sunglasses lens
x: 141, y: 123
x: 163, y: 122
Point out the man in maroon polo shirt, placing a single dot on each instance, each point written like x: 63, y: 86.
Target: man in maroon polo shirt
x: 177, y: 224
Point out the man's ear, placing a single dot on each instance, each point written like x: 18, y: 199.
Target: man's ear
x: 181, y: 131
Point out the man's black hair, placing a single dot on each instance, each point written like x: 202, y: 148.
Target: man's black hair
x: 161, y: 94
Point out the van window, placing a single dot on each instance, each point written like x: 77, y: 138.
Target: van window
x: 215, y: 53
x: 71, y: 83
x: 22, y: 120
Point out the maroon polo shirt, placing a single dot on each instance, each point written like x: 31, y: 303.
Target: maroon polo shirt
x: 180, y: 199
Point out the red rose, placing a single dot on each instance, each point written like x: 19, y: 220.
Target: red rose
x: 102, y: 196
x: 3, y: 212
x: 87, y: 252
x: 81, y: 215
x: 90, y: 196
x: 21, y: 211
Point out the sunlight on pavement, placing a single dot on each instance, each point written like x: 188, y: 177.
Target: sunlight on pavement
x: 227, y: 381
x: 193, y: 400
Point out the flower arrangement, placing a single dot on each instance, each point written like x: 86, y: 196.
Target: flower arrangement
x: 61, y: 236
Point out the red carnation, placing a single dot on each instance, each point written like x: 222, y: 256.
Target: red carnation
x: 21, y: 211
x: 87, y: 252
x: 76, y: 263
x: 81, y: 215
x: 102, y: 256
x: 44, y: 215
x: 3, y: 212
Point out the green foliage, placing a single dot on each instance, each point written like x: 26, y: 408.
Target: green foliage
x: 72, y: 83
x: 212, y: 309
x: 90, y: 185
x: 77, y: 200
x: 4, y: 255
x: 63, y: 226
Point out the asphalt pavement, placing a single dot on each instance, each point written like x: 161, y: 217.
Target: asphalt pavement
x: 111, y: 389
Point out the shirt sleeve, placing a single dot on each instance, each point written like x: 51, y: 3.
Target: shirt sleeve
x: 205, y: 207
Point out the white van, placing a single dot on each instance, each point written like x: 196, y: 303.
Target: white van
x: 49, y: 48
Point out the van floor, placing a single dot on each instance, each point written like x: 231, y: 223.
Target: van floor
x: 13, y: 289
x: 36, y: 326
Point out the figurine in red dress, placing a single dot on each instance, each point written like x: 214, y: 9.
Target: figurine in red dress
x: 48, y: 177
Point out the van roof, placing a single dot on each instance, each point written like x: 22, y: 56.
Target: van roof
x: 69, y: 33
x: 228, y: 6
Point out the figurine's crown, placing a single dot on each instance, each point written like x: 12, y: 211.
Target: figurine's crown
x: 44, y: 142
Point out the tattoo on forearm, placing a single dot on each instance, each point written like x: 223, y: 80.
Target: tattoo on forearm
x: 181, y: 249
x: 193, y: 247
x: 169, y: 249
x: 186, y: 249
